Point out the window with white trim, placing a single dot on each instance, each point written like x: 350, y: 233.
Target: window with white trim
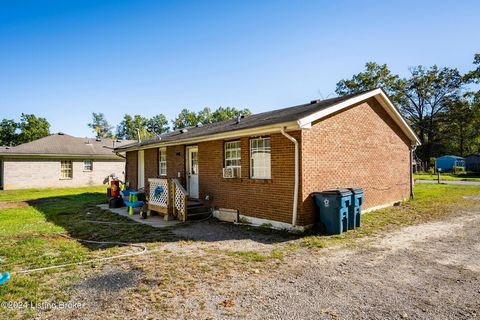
x: 233, y: 155
x: 162, y: 161
x: 66, y: 170
x: 260, y: 154
x: 87, y: 165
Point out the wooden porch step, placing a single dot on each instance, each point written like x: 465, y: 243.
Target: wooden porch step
x: 193, y: 203
x: 197, y: 209
x: 198, y: 215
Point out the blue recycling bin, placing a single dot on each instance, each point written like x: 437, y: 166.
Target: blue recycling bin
x: 333, y: 207
x: 355, y: 210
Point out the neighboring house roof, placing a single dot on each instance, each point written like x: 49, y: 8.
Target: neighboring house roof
x: 60, y: 144
x: 292, y: 118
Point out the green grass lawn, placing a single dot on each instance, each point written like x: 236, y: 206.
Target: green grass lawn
x: 469, y: 176
x: 34, y: 194
x: 33, y: 235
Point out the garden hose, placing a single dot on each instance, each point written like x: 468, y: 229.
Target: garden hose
x: 5, y: 276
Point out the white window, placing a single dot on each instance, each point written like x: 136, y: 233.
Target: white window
x: 162, y: 161
x: 233, y: 155
x: 66, y: 170
x: 87, y: 165
x: 260, y: 167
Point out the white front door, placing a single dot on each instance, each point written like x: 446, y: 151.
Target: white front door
x: 192, y: 171
x: 141, y: 170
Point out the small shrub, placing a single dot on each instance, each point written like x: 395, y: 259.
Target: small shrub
x: 459, y: 170
x: 431, y: 170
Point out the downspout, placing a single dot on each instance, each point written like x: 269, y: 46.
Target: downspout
x: 412, y: 194
x: 119, y: 155
x: 295, y: 188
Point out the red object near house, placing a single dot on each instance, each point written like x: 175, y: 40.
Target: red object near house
x: 115, y: 186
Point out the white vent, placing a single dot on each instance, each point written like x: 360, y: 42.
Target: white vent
x: 232, y: 172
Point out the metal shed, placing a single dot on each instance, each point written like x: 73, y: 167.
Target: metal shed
x: 472, y: 162
x: 447, y: 163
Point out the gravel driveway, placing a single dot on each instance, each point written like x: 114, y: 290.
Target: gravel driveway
x: 426, y: 271
x: 429, y: 271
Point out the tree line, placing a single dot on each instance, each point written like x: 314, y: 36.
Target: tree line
x: 438, y: 102
x: 158, y: 124
x: 31, y: 128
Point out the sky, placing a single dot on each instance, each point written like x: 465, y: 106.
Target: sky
x: 63, y: 60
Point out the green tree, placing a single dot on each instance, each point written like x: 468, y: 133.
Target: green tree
x: 100, y: 126
x: 32, y: 128
x: 222, y: 114
x: 459, y: 127
x: 185, y: 118
x: 425, y: 96
x: 374, y: 76
x: 158, y: 124
x: 8, y: 134
x: 422, y: 97
x: 127, y: 129
x: 141, y: 123
x: 188, y: 118
x: 205, y: 116
x: 474, y: 75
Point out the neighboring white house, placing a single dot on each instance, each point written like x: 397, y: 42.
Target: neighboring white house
x: 60, y: 160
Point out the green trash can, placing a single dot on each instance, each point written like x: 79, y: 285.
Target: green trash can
x: 355, y: 210
x: 333, y: 206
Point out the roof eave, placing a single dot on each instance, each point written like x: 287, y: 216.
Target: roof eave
x: 381, y: 97
x: 273, y: 128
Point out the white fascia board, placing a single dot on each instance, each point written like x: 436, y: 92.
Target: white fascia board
x: 381, y: 97
x: 257, y: 131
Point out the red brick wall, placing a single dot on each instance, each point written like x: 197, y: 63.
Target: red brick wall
x: 267, y: 199
x: 132, y: 168
x: 151, y: 165
x: 360, y: 146
x: 176, y: 163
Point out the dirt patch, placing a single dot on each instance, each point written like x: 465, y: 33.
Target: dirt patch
x: 13, y: 204
x: 474, y: 198
x: 227, y: 236
x: 112, y: 281
x: 411, y: 236
x: 23, y: 204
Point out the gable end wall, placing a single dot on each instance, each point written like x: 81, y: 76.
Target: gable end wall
x: 360, y: 146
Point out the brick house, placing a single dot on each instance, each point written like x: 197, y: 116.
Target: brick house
x: 59, y: 160
x: 263, y: 168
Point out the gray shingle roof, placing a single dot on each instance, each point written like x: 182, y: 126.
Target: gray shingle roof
x: 64, y: 144
x: 256, y: 120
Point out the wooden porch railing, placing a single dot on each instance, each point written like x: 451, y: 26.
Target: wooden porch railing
x: 161, y: 201
x: 168, y: 196
x: 180, y: 200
